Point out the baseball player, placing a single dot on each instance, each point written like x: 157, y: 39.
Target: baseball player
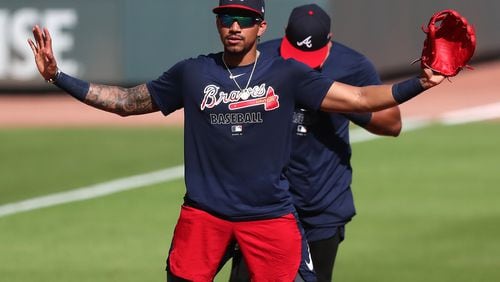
x: 319, y: 172
x: 238, y: 106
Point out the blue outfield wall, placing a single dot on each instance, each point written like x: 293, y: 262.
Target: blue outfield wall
x: 129, y: 42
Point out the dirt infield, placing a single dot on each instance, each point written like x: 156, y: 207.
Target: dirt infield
x: 470, y: 89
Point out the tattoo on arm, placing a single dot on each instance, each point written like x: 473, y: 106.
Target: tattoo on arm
x: 121, y: 101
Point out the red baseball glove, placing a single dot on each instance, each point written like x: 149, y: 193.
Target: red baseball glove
x: 450, y: 43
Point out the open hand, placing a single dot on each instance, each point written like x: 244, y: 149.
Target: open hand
x: 42, y: 50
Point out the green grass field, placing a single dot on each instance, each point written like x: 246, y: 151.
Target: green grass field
x: 427, y: 206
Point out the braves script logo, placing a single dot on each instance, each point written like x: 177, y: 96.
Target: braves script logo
x: 306, y: 42
x: 249, y: 97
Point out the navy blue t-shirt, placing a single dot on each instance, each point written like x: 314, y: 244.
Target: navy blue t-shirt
x: 237, y: 143
x: 320, y: 173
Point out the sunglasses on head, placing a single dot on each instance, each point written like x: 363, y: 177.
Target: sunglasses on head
x: 244, y: 21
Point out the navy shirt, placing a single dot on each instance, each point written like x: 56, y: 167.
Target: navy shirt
x: 320, y: 172
x: 238, y: 143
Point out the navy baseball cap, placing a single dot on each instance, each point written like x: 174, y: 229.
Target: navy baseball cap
x: 307, y: 35
x: 256, y: 6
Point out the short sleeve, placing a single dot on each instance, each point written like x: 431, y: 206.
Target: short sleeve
x: 167, y: 90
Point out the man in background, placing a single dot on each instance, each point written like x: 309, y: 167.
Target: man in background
x: 320, y: 173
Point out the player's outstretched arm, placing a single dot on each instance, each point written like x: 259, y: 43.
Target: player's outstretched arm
x: 346, y: 98
x: 119, y: 100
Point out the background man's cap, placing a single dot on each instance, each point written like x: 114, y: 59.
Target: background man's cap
x: 307, y: 35
x: 256, y: 6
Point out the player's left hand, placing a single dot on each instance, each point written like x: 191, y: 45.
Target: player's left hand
x: 430, y: 78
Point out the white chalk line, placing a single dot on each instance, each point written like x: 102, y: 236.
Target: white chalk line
x: 94, y: 191
x: 474, y: 114
x: 480, y: 113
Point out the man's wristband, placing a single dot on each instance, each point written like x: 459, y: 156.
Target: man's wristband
x: 74, y: 86
x: 361, y: 119
x: 405, y: 90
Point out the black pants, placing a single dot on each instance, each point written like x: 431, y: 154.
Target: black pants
x: 323, y: 254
